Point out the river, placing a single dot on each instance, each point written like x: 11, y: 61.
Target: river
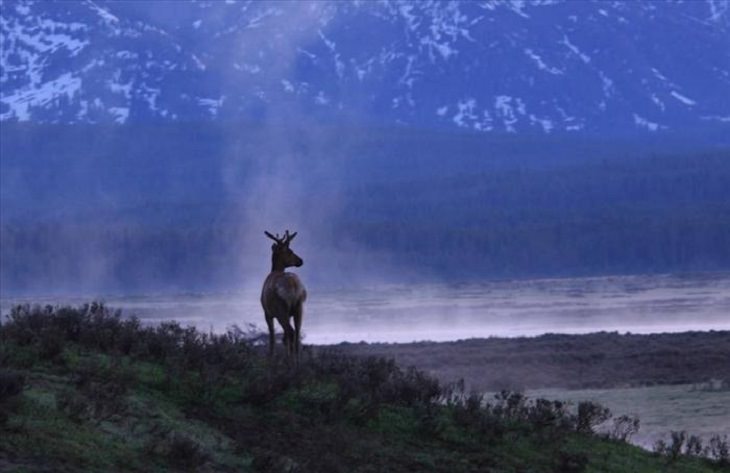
x: 450, y: 311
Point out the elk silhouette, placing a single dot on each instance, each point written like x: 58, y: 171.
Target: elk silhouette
x: 283, y: 294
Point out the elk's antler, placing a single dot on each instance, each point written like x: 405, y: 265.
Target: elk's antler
x: 285, y: 240
x: 288, y: 238
x: 275, y: 238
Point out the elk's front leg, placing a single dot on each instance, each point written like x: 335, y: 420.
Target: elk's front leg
x: 272, y: 338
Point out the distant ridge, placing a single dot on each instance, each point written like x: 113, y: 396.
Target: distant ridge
x: 544, y: 66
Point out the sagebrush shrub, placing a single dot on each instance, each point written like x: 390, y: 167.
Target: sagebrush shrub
x: 590, y: 415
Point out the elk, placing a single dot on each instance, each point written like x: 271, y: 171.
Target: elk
x: 283, y: 294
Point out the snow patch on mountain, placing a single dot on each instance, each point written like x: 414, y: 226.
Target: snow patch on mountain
x: 516, y: 6
x: 725, y: 119
x: 213, y: 105
x: 684, y: 99
x: 198, y: 62
x: 466, y: 111
x: 25, y: 45
x: 321, y: 98
x: 288, y: 87
x: 574, y: 49
x: 509, y: 108
x: 643, y: 122
x: 659, y: 103
x: 120, y: 114
x: 541, y: 64
x: 124, y: 89
x: 607, y: 84
x: 103, y: 14
x: 336, y: 57
x: 150, y: 95
x: 718, y: 8
x: 546, y: 124
x: 20, y: 103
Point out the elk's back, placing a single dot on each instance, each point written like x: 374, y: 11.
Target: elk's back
x: 284, y: 287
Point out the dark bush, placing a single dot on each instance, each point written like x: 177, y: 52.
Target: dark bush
x: 718, y: 449
x: 471, y: 411
x: 372, y: 380
x: 96, y: 327
x: 11, y: 384
x: 185, y: 453
x: 568, y: 462
x: 268, y: 462
x: 51, y: 342
x: 543, y: 413
x: 678, y: 439
x: 674, y: 448
x: 74, y: 405
x: 590, y: 415
x: 624, y: 427
x: 693, y: 446
x: 510, y: 405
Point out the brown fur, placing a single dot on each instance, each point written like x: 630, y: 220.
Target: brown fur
x: 283, y: 294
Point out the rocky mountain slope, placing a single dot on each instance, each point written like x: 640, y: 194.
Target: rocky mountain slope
x: 544, y: 66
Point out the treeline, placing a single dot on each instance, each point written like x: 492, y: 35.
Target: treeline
x: 129, y: 208
x: 659, y: 213
x: 119, y: 257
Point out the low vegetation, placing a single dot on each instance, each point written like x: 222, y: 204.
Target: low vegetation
x: 683, y: 444
x: 84, y: 389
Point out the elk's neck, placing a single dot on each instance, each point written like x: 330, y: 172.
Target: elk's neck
x: 276, y: 266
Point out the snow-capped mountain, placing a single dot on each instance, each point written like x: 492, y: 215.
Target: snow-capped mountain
x: 543, y: 65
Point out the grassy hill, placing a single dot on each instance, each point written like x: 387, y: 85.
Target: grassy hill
x: 83, y: 389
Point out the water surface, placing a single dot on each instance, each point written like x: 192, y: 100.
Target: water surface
x: 440, y: 312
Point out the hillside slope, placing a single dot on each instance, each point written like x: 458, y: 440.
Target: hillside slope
x: 84, y: 390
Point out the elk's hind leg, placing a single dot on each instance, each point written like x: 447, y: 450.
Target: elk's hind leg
x: 297, y: 313
x: 288, y: 334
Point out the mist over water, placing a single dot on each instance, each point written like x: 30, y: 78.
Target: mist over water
x: 443, y: 312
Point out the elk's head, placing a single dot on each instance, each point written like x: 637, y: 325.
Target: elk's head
x: 281, y: 255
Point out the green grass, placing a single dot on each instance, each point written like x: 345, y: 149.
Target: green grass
x: 91, y: 393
